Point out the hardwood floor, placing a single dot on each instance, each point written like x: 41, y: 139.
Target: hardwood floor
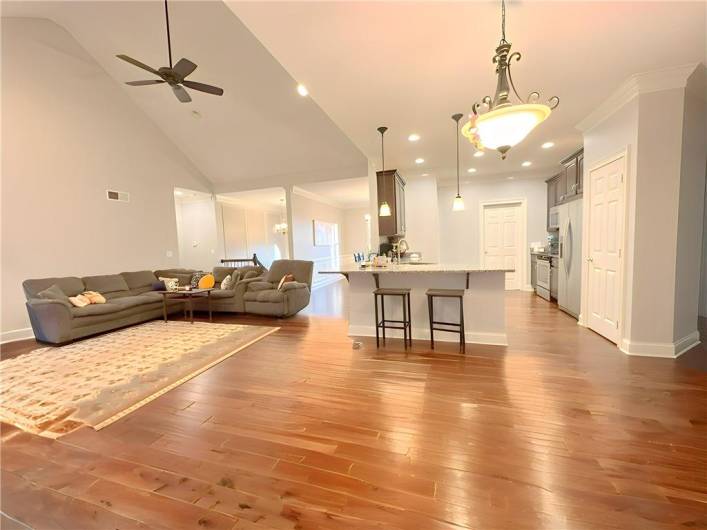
x: 557, y: 431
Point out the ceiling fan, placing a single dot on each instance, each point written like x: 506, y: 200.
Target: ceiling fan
x: 175, y: 75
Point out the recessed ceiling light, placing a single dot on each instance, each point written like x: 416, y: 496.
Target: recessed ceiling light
x: 527, y: 163
x: 419, y: 160
x: 425, y: 175
x: 478, y: 154
x: 548, y: 145
x: 471, y: 170
x: 414, y: 137
x: 302, y: 90
x: 179, y: 193
x: 511, y: 178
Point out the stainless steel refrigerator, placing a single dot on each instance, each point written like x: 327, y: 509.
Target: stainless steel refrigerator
x: 569, y: 284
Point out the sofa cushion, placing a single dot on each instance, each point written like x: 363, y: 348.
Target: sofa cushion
x: 260, y: 286
x: 220, y: 294
x: 53, y: 293
x: 270, y: 295
x: 109, y: 285
x: 300, y: 269
x: 151, y: 296
x: 70, y: 285
x: 139, y: 281
x: 132, y: 301
x: 291, y: 286
x: 220, y: 273
x: 183, y: 275
x: 95, y: 309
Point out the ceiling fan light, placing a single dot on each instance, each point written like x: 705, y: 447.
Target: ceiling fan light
x: 458, y: 204
x: 384, y: 210
x: 507, y: 126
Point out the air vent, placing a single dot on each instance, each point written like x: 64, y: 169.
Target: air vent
x: 122, y: 196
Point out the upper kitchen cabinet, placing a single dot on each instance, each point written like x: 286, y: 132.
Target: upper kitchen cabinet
x: 391, y: 189
x: 571, y: 176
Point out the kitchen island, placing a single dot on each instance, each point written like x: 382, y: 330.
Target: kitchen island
x: 484, y: 299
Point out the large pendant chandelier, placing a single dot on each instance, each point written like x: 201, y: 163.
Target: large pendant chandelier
x: 505, y: 124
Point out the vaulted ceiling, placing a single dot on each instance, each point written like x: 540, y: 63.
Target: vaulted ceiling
x: 411, y: 65
x: 406, y: 65
x: 259, y: 133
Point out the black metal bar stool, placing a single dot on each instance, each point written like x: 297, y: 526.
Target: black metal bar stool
x: 383, y: 323
x: 457, y: 327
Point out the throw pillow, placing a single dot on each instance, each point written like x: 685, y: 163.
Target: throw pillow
x: 53, y: 293
x: 227, y: 282
x: 159, y: 286
x: 79, y: 300
x: 207, y: 281
x: 196, y: 277
x: 251, y: 274
x: 171, y: 284
x: 94, y: 297
x: 286, y: 278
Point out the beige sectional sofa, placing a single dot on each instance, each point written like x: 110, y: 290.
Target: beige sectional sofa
x: 130, y: 298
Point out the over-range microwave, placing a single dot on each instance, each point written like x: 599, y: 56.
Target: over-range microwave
x: 554, y: 218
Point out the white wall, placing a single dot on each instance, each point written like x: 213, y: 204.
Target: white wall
x: 200, y: 244
x: 355, y: 232
x: 69, y: 133
x: 659, y: 119
x: 304, y: 211
x: 691, y: 204
x: 248, y: 231
x: 617, y: 133
x: 422, y: 226
x: 460, y: 231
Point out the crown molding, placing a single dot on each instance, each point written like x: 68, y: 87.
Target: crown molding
x: 643, y: 83
x: 315, y: 197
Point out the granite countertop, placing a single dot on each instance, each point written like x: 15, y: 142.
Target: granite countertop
x: 543, y: 254
x: 404, y: 267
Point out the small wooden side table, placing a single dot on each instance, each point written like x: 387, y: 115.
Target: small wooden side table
x: 188, y: 298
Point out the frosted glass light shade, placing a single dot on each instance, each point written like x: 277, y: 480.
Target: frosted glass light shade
x: 384, y: 210
x: 458, y: 204
x: 505, y: 127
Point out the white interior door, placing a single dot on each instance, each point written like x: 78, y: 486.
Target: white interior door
x: 502, y: 241
x: 605, y: 242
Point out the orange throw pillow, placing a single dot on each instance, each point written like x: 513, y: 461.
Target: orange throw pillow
x: 207, y: 281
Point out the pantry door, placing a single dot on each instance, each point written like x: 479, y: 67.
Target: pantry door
x: 503, y: 226
x: 606, y: 229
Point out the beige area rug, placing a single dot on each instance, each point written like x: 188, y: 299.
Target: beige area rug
x: 53, y: 391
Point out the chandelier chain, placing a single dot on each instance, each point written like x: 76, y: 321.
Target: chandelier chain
x: 503, y: 21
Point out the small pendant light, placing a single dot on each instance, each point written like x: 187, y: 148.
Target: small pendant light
x: 458, y: 204
x: 384, y: 208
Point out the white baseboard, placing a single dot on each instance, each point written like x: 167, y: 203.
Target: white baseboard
x: 528, y: 288
x: 667, y: 350
x: 16, y: 334
x: 493, y: 339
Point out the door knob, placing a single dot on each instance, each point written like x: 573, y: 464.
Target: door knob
x: 590, y: 259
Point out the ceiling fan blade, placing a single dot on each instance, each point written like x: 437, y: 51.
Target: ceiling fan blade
x: 182, y: 95
x: 137, y: 63
x: 184, y: 67
x: 204, y: 88
x: 143, y: 83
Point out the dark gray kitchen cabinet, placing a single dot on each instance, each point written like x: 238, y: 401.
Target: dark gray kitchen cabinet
x: 391, y: 189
